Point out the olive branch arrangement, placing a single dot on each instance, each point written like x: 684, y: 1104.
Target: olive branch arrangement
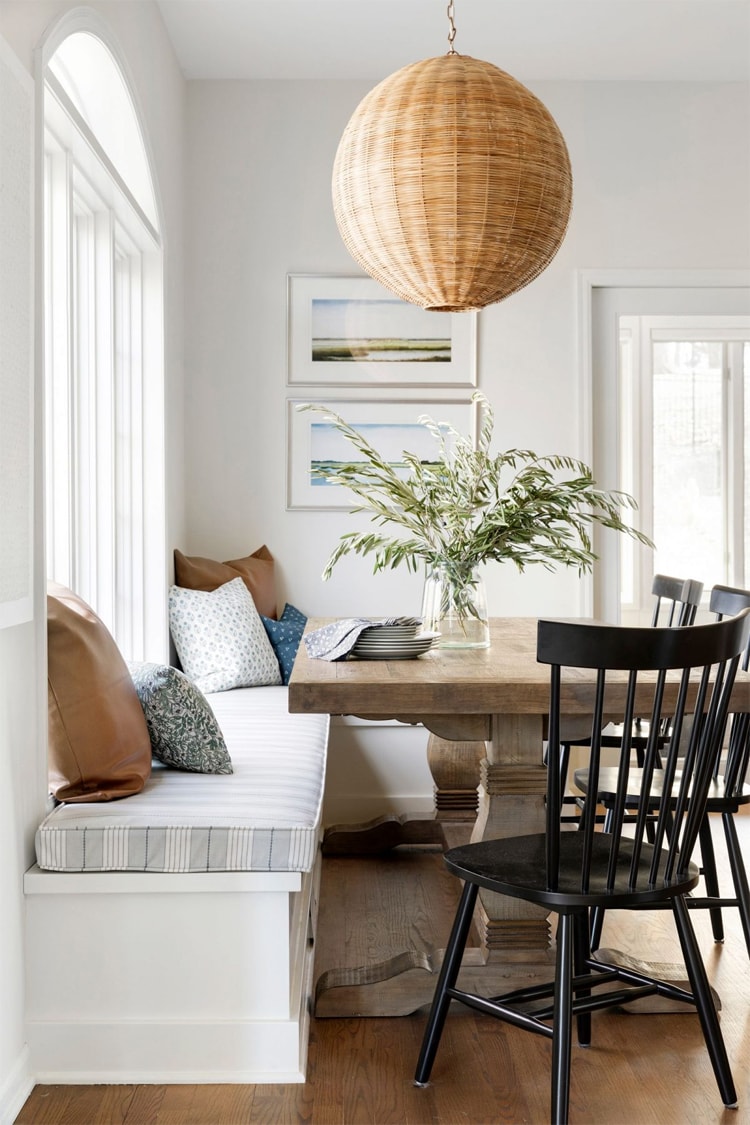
x: 470, y: 505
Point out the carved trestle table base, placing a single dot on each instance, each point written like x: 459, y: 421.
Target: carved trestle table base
x: 496, y: 696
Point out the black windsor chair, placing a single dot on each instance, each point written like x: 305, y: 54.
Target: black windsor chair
x: 727, y: 792
x: 676, y: 602
x: 568, y: 873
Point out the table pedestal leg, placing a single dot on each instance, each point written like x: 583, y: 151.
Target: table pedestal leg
x: 511, y: 803
x: 514, y: 936
x: 455, y: 770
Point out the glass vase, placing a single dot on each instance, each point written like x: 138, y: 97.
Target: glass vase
x: 455, y: 605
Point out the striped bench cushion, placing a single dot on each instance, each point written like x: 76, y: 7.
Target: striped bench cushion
x: 263, y: 817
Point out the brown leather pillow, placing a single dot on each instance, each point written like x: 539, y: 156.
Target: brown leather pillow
x: 256, y: 571
x: 99, y: 745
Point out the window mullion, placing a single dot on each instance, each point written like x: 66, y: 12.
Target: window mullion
x: 152, y: 421
x: 734, y: 458
x: 628, y: 468
x: 125, y: 453
x: 104, y: 435
x: 138, y: 455
x: 84, y: 400
x: 645, y: 463
x: 58, y: 364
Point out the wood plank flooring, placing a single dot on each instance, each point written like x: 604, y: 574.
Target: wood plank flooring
x: 645, y: 1069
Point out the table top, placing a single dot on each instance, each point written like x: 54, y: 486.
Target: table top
x: 502, y: 679
x: 442, y: 681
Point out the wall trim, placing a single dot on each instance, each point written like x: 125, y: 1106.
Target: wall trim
x: 16, y: 1087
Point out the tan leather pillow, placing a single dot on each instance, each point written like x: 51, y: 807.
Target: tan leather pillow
x: 256, y: 570
x: 99, y: 745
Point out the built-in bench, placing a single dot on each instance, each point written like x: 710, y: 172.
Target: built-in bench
x: 170, y: 934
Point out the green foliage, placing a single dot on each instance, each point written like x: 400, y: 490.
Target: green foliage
x: 469, y: 506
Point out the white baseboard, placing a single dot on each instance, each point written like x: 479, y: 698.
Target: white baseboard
x: 168, y: 1052
x: 16, y: 1088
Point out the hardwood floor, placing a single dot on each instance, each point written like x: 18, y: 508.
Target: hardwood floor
x: 646, y: 1069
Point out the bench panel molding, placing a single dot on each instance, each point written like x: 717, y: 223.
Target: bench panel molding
x: 199, y: 986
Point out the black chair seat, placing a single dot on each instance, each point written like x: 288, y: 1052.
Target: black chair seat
x: 718, y: 800
x: 515, y: 866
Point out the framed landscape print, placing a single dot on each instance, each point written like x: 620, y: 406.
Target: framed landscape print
x: 350, y: 331
x: 391, y: 427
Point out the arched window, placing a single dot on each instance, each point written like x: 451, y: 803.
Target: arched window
x: 104, y: 363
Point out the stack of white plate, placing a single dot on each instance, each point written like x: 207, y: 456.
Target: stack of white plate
x: 394, y: 640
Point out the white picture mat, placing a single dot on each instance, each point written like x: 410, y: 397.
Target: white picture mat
x: 304, y: 433
x: 348, y: 312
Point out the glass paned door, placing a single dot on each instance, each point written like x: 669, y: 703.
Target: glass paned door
x: 689, y: 512
x: 684, y: 452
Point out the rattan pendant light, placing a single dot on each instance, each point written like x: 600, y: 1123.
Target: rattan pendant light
x: 452, y: 183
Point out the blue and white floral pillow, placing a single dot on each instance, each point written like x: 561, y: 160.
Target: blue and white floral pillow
x: 183, y: 729
x: 220, y: 638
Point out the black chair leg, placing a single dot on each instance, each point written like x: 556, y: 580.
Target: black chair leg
x: 596, y: 921
x: 564, y: 762
x: 704, y: 1003
x: 582, y: 954
x: 562, y: 1020
x: 711, y: 879
x: 739, y: 874
x: 447, y: 979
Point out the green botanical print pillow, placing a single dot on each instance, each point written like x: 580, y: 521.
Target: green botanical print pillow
x: 183, y: 728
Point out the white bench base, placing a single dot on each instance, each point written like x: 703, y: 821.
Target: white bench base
x: 159, y: 978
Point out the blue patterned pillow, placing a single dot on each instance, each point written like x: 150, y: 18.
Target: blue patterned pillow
x: 183, y: 728
x: 285, y: 636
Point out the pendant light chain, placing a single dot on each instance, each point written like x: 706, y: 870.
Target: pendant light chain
x: 451, y: 28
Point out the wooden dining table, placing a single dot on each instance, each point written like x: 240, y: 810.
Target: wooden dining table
x: 499, y: 696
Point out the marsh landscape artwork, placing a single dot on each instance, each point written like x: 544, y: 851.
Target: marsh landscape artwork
x: 329, y: 448
x: 353, y: 330
x: 316, y: 449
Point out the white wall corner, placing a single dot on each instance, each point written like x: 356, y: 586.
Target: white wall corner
x: 15, y: 1088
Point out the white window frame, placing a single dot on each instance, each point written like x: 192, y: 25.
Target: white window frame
x: 104, y: 376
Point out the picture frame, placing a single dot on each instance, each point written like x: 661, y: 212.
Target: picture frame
x: 394, y: 427
x: 352, y: 332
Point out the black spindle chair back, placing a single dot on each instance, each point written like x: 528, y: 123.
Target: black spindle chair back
x: 686, y: 763
x: 728, y: 792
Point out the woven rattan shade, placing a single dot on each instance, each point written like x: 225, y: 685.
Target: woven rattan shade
x: 452, y: 184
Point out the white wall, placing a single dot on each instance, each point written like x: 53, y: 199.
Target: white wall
x: 160, y: 90
x: 19, y: 647
x: 661, y: 181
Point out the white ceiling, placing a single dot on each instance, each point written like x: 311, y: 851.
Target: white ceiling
x: 639, y: 40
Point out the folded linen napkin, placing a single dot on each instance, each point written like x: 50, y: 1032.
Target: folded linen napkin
x: 336, y: 641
